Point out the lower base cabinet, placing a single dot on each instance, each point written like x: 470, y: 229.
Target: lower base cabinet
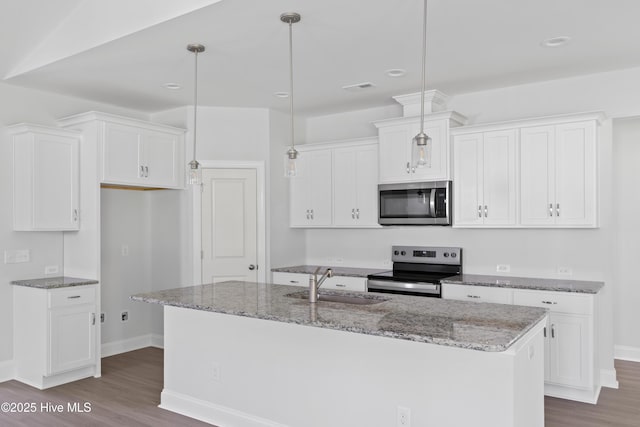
x: 571, y: 368
x: 55, y: 334
x: 343, y: 283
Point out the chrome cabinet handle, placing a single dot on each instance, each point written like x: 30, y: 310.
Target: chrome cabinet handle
x: 75, y: 215
x: 146, y: 171
x: 308, y: 214
x: 479, y: 211
x: 357, y: 213
x: 353, y: 214
x: 473, y: 296
x: 340, y: 285
x: 557, y: 209
x: 293, y: 281
x: 311, y: 213
x: 553, y: 331
x: 550, y: 302
x: 544, y: 332
x: 408, y: 167
x: 73, y: 297
x: 550, y: 209
x: 93, y: 318
x: 486, y: 211
x: 141, y: 171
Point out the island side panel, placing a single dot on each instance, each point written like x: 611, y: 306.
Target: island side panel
x: 233, y: 370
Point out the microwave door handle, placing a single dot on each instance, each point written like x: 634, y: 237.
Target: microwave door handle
x: 432, y: 203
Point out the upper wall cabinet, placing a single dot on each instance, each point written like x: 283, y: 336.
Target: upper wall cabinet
x: 45, y: 178
x: 133, y: 152
x: 531, y: 173
x: 395, y: 139
x: 336, y: 185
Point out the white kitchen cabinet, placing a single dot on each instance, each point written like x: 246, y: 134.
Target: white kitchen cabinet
x: 395, y: 140
x: 336, y: 185
x: 355, y: 178
x: 46, y: 179
x: 558, y: 170
x: 133, y: 153
x: 477, y: 293
x: 343, y: 283
x: 485, y: 178
x: 311, y: 203
x: 55, y: 334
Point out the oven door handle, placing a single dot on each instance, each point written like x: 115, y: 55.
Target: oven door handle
x: 390, y: 285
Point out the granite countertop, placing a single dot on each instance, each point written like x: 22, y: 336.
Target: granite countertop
x: 337, y: 271
x: 469, y: 325
x: 556, y: 285
x: 54, y: 282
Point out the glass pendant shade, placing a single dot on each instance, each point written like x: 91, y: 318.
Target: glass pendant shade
x: 290, y: 158
x: 421, y: 151
x: 194, y: 172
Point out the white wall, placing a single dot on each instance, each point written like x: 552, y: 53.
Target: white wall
x: 26, y: 105
x: 536, y: 253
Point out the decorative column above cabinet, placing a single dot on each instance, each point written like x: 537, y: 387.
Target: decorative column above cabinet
x: 336, y: 185
x: 134, y: 152
x: 45, y: 178
x: 395, y: 139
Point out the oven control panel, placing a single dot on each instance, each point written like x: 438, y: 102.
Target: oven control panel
x: 427, y: 254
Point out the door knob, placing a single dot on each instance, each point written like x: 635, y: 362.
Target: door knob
x: 252, y: 267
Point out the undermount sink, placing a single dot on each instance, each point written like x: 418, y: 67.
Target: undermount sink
x: 341, y: 298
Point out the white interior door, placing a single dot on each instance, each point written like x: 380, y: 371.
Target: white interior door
x: 229, y: 225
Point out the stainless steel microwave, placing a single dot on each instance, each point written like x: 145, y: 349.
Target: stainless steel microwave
x: 415, y: 203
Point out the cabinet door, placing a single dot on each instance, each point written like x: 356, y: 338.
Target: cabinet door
x: 366, y: 184
x: 310, y: 190
x: 345, y: 283
x: 477, y: 293
x: 467, y: 169
x: 55, y: 183
x: 499, y: 178
x: 537, y: 176
x: 395, y: 153
x: 72, y: 337
x: 575, y: 172
x: 122, y: 155
x: 291, y: 279
x: 345, y: 195
x: 160, y: 155
x: 569, y: 350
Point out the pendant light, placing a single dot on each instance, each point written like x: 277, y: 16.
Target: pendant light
x: 292, y: 154
x: 419, y: 146
x: 194, y: 166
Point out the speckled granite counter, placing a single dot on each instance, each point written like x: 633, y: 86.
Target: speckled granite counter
x: 556, y: 285
x: 485, y: 327
x: 337, y: 271
x: 54, y: 282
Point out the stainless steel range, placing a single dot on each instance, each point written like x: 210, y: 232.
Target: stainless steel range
x: 417, y: 270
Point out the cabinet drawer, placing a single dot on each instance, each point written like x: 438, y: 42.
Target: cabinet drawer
x: 74, y: 295
x: 346, y: 283
x: 291, y: 279
x: 477, y: 293
x: 560, y: 302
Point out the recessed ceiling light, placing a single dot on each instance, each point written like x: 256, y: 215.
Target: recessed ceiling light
x: 396, y: 72
x: 172, y: 86
x: 281, y: 94
x: 556, y: 41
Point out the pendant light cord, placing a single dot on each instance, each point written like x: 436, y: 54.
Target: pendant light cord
x: 291, y: 81
x: 195, y: 105
x: 424, y: 66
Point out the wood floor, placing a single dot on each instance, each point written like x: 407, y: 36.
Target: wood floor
x: 129, y: 391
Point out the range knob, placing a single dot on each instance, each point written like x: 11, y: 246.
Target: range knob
x: 403, y: 253
x: 446, y: 254
x: 453, y: 254
x: 396, y: 252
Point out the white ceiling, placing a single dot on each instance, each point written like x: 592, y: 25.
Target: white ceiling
x: 472, y: 45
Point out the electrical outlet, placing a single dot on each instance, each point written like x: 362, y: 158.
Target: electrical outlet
x: 215, y: 372
x: 124, y: 316
x: 124, y: 250
x: 102, y: 317
x: 17, y: 256
x: 404, y: 417
x: 565, y: 271
x: 51, y: 269
x: 503, y: 268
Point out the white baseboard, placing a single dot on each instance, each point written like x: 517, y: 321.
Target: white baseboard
x: 624, y: 352
x: 7, y: 371
x: 130, y: 344
x: 608, y: 378
x: 210, y: 412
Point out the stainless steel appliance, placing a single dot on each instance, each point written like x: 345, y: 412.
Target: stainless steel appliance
x: 417, y: 270
x: 415, y: 203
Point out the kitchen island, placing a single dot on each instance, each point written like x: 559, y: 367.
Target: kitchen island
x: 248, y: 354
